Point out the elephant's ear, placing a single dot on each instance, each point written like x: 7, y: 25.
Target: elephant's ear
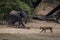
x: 22, y: 14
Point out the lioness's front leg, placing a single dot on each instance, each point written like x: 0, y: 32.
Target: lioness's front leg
x: 42, y: 30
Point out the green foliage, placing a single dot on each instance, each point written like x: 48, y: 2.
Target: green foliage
x: 23, y: 6
x: 8, y: 5
x: 28, y: 2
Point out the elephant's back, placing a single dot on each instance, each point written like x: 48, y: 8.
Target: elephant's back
x: 14, y: 12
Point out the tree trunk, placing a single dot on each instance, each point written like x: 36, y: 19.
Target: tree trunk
x: 52, y: 11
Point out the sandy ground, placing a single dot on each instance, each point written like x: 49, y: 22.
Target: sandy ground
x: 34, y: 27
x: 33, y: 33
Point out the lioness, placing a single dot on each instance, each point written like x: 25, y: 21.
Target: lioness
x: 46, y: 28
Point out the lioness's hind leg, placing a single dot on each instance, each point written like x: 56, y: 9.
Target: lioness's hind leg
x: 51, y: 30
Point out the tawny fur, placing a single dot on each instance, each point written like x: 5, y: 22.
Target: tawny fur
x: 46, y: 28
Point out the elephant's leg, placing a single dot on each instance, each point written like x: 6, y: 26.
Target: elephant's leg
x: 21, y: 23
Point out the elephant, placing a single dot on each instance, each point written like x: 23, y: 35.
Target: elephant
x: 12, y: 19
